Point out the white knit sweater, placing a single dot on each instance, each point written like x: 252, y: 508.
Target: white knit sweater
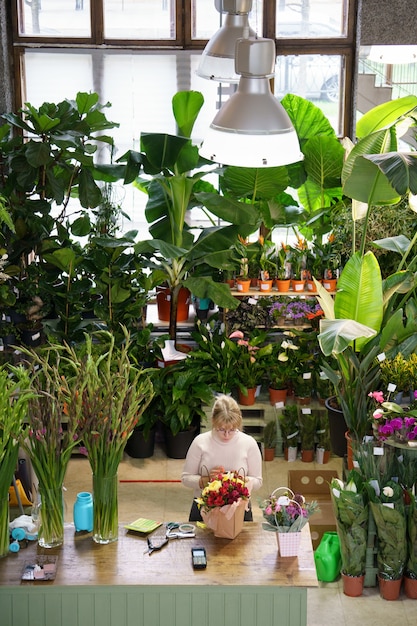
x: 240, y: 452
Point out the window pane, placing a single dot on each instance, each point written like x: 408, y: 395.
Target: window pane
x: 55, y: 18
x: 315, y: 77
x: 311, y: 18
x: 139, y: 101
x: 206, y: 20
x: 139, y: 19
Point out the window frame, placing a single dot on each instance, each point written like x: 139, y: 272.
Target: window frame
x: 344, y: 46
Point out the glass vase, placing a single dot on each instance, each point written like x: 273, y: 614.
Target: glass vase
x: 51, y: 530
x: 105, y: 507
x: 4, y: 527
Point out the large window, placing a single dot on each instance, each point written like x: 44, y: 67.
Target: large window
x: 136, y: 54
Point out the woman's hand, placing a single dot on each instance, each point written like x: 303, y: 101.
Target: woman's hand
x: 215, y: 471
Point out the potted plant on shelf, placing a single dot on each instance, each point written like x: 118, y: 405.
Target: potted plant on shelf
x: 251, y: 362
x: 278, y: 370
x: 270, y: 435
x: 307, y: 421
x: 288, y: 423
x: 298, y: 257
x: 351, y: 512
x: 398, y: 371
x: 215, y: 356
x: 172, y: 178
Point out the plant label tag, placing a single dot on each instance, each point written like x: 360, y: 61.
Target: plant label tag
x: 378, y: 451
x: 252, y: 301
x: 381, y: 357
x: 389, y: 505
x: 306, y: 411
x: 279, y: 405
x: 391, y: 387
x: 307, y: 375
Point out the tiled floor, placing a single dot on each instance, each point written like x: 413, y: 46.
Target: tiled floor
x: 170, y: 501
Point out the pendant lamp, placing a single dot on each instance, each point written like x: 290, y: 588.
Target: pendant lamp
x: 252, y: 129
x: 218, y: 58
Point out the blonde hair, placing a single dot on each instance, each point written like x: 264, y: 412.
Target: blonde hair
x: 226, y: 412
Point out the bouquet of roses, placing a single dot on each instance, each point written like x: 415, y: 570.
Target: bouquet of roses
x: 285, y: 511
x: 387, y: 506
x: 352, y: 515
x: 226, y: 489
x: 222, y: 504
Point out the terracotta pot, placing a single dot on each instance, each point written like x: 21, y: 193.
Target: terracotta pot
x: 265, y: 286
x: 243, y: 285
x: 277, y: 395
x: 231, y: 283
x: 410, y: 587
x: 353, y: 585
x: 303, y: 400
x: 283, y: 285
x: 298, y: 285
x: 269, y: 454
x: 389, y: 589
x: 311, y: 286
x: 163, y: 299
x: 307, y: 456
x: 254, y: 283
x: 329, y: 284
x: 249, y: 399
x: 350, y: 464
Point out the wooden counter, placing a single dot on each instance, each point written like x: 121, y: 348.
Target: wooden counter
x: 245, y: 583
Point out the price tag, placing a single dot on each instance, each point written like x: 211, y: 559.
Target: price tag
x: 279, y: 405
x: 307, y: 375
x: 306, y: 411
x: 381, y: 357
x: 391, y: 387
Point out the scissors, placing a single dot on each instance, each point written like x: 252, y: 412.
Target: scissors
x: 153, y: 548
x: 179, y: 531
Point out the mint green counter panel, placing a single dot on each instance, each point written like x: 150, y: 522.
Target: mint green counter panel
x: 152, y: 606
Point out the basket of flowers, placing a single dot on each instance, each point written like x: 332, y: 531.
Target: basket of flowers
x: 286, y: 513
x: 222, y: 504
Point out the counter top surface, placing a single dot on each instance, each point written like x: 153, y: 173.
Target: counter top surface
x: 249, y: 559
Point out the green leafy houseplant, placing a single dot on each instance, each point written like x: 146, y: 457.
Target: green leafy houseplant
x: 251, y: 358
x: 270, y: 434
x: 172, y: 178
x: 351, y: 513
x: 215, y: 356
x: 288, y: 423
x: 397, y: 371
x: 14, y: 397
x: 370, y: 316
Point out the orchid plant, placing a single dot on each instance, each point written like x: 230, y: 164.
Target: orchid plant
x: 392, y: 421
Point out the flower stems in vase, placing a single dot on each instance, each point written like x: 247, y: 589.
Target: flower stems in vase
x: 51, y: 531
x: 105, y: 522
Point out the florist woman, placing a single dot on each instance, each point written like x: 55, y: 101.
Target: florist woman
x: 222, y: 449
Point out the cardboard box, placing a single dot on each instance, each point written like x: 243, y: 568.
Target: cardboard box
x: 314, y: 485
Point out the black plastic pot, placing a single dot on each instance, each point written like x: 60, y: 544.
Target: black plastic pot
x: 138, y: 447
x: 176, y: 446
x: 337, y: 427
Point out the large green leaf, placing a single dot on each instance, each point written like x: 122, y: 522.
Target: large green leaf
x: 161, y: 150
x: 186, y: 106
x: 323, y: 160
x: 368, y: 184
x: 307, y: 118
x: 359, y: 295
x: 205, y: 287
x: 255, y: 183
x: 336, y: 335
x: 385, y: 115
x: 399, y: 244
x: 378, y: 143
x: 230, y: 210
x: 400, y: 168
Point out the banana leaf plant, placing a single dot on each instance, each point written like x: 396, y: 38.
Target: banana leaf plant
x: 371, y: 317
x: 172, y: 173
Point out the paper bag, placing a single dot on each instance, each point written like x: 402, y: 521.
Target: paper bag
x: 226, y: 521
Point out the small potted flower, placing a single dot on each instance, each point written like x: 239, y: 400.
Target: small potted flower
x: 267, y: 264
x: 270, y: 433
x: 242, y: 278
x: 286, y: 513
x: 392, y: 422
x: 283, y: 280
x: 297, y: 259
x: 278, y: 370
